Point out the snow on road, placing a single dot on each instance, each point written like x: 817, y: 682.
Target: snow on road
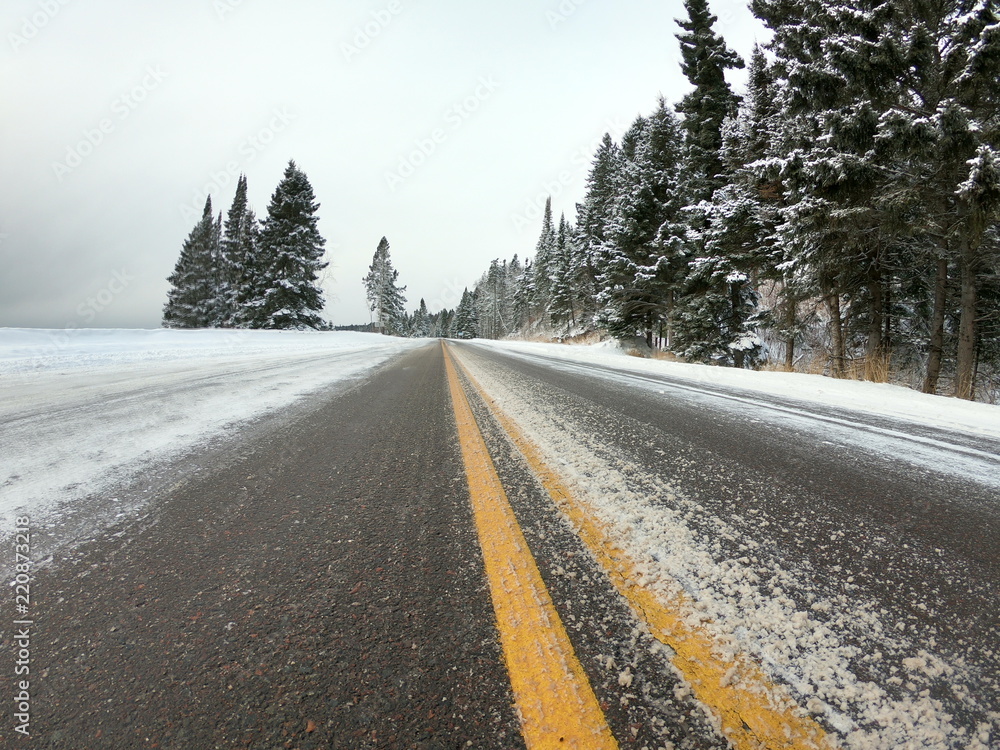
x: 875, y: 677
x: 84, y: 410
x: 894, y: 421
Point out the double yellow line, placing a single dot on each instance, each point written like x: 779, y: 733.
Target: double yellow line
x: 557, y: 706
x: 556, y: 703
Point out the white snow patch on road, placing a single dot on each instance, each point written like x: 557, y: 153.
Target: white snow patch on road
x: 84, y: 409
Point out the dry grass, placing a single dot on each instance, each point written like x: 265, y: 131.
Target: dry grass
x: 666, y: 356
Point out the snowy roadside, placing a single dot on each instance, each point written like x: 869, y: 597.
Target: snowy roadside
x: 85, y: 410
x: 878, y: 399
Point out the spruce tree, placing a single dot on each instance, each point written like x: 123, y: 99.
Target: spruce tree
x: 642, y: 254
x: 465, y: 323
x: 708, y: 321
x: 705, y: 60
x: 385, y: 296
x: 291, y: 256
x: 421, y: 321
x: 191, y: 299
x: 545, y: 250
x: 563, y: 275
x: 594, y: 217
x: 231, y: 255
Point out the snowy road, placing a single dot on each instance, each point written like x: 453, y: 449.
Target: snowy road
x: 251, y: 541
x: 854, y: 554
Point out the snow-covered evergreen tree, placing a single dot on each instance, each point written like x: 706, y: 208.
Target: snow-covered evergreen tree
x: 191, y: 301
x: 641, y: 258
x: 594, y: 216
x: 385, y: 296
x: 291, y: 252
x: 421, y: 321
x: 465, y: 323
x: 705, y: 60
x: 232, y: 255
x: 545, y: 250
x: 564, y: 275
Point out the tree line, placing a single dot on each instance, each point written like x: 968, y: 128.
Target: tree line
x: 843, y: 211
x: 245, y: 273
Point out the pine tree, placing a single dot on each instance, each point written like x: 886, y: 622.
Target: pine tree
x: 232, y: 259
x: 594, y: 217
x: 291, y: 254
x: 465, y: 323
x: 563, y: 274
x: 708, y: 321
x: 421, y: 321
x: 641, y: 256
x: 385, y: 296
x: 541, y: 288
x: 191, y: 300
x: 705, y: 60
x: 246, y: 273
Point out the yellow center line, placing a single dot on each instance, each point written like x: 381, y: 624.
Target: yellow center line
x: 555, y: 702
x: 753, y: 711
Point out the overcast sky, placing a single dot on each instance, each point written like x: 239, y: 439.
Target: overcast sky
x: 440, y: 124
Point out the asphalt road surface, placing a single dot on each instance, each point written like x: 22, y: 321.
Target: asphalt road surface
x: 318, y: 581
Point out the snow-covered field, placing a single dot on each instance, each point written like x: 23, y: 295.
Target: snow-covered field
x: 84, y: 410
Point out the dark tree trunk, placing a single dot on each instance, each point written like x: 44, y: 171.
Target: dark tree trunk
x: 966, y: 369
x: 936, y: 353
x: 739, y: 356
x: 839, y: 353
x: 874, y: 351
x: 789, y: 330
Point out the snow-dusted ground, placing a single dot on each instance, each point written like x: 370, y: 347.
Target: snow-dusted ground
x: 897, y: 422
x: 870, y: 398
x: 84, y: 410
x: 879, y: 676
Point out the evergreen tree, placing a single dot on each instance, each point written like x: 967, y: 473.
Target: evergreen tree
x: 246, y: 273
x: 385, y: 296
x: 563, y: 275
x: 291, y: 256
x: 545, y: 250
x: 642, y: 253
x: 594, y: 217
x: 465, y: 324
x: 421, y: 321
x: 703, y: 326
x: 232, y: 255
x: 705, y: 60
x: 191, y: 300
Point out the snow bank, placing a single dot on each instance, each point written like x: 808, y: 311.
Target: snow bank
x: 86, y: 409
x: 879, y: 399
